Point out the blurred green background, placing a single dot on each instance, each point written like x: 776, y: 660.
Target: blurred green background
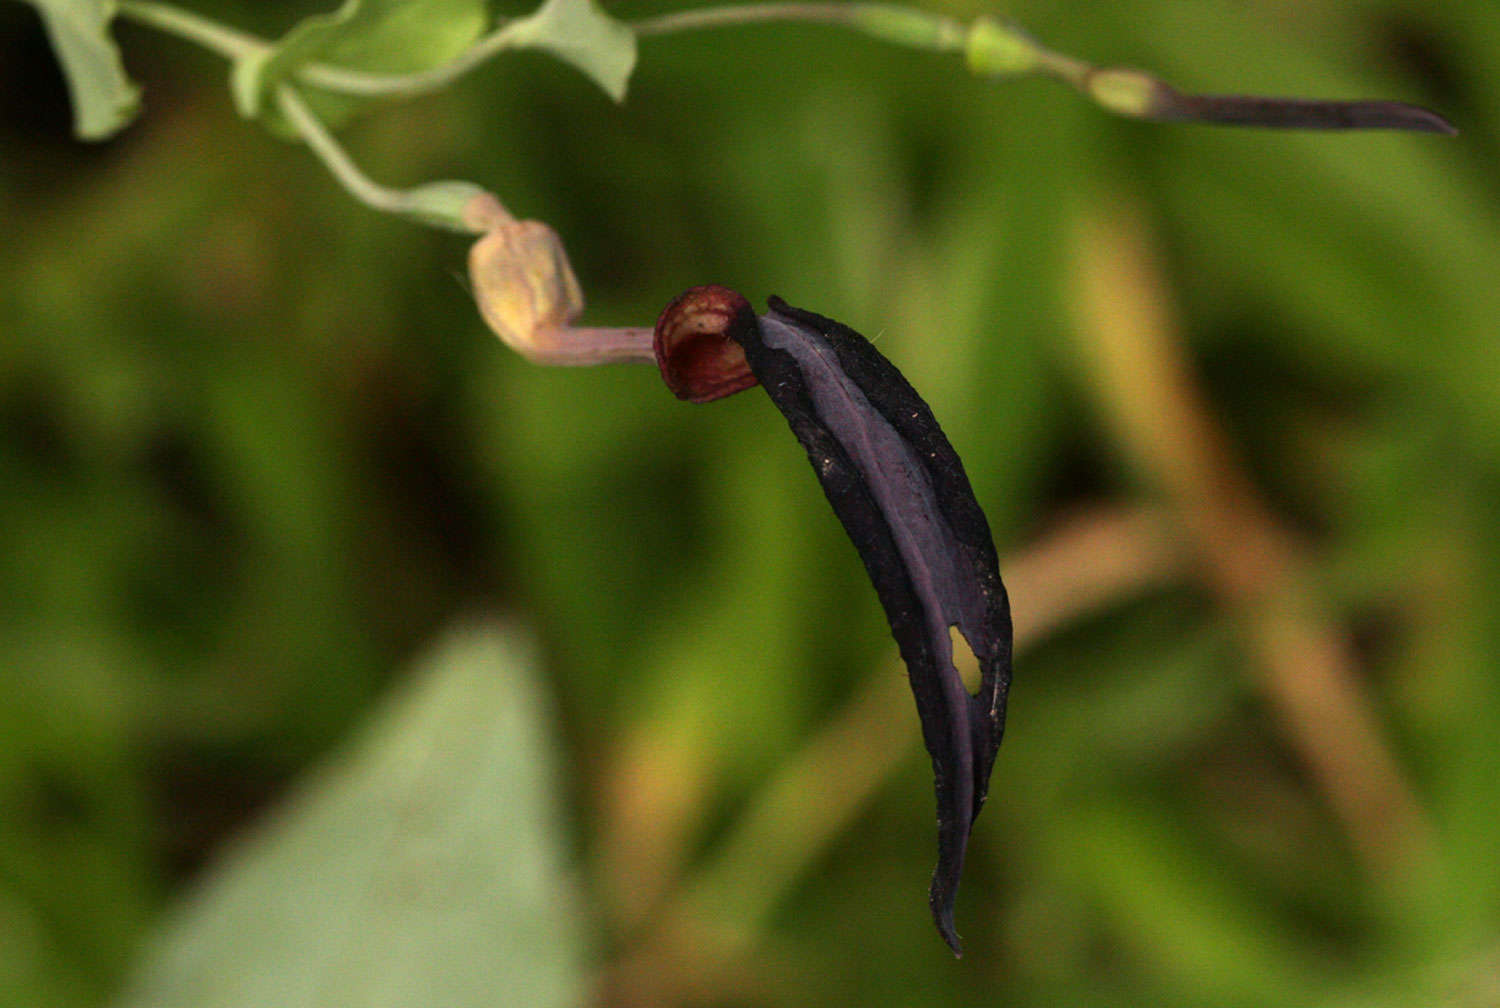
x: 1231, y: 400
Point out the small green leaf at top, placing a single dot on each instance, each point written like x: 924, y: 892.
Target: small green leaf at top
x: 105, y: 100
x: 379, y: 36
x: 580, y: 33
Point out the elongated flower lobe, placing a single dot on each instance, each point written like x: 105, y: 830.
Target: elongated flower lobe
x: 902, y: 495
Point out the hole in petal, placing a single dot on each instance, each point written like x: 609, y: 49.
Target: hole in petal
x: 964, y: 660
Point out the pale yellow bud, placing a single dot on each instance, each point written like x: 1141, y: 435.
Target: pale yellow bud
x: 529, y: 296
x: 525, y: 287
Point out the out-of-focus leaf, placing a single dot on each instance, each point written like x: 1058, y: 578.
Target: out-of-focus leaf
x: 384, y: 36
x: 104, y: 99
x: 580, y: 33
x: 421, y: 867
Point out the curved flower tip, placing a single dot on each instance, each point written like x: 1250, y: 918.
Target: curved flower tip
x: 696, y: 345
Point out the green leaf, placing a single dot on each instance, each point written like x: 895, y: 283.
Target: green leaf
x: 380, y: 36
x: 104, y: 99
x: 580, y: 33
x: 421, y: 867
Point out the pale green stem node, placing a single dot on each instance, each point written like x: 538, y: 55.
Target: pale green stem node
x: 1125, y: 91
x: 996, y: 49
x: 908, y: 26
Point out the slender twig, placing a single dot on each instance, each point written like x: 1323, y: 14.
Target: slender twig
x: 743, y: 14
x: 366, y: 84
x: 359, y: 185
x: 231, y: 43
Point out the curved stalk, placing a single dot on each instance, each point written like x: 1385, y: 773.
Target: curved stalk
x: 231, y: 43
x: 335, y: 158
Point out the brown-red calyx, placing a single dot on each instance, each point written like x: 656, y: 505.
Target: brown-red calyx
x: 699, y: 357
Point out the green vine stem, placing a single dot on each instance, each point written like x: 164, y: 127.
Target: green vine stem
x: 989, y: 47
x: 231, y: 43
x: 234, y: 44
x: 754, y: 13
x: 335, y: 158
x: 358, y: 82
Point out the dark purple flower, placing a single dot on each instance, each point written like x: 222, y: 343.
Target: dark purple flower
x: 902, y: 495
